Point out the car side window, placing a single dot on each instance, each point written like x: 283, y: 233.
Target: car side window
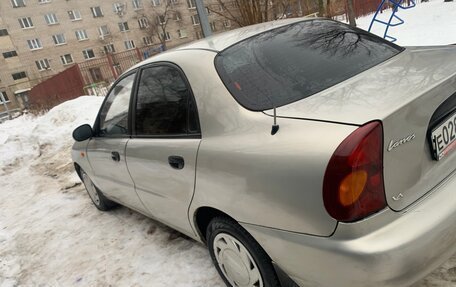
x: 114, y: 114
x: 164, y: 104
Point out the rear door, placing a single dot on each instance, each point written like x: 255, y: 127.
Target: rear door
x: 161, y: 156
x: 106, y: 151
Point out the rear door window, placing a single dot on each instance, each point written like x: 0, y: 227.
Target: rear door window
x: 165, y: 104
x: 293, y: 62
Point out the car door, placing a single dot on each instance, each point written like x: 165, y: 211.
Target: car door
x: 161, y: 156
x: 106, y: 150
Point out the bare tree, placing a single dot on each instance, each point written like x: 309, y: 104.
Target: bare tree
x: 158, y: 21
x: 351, y: 13
x: 249, y: 12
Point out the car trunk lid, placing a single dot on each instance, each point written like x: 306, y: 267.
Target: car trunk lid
x: 411, y: 94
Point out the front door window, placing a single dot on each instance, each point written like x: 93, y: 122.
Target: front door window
x: 114, y: 114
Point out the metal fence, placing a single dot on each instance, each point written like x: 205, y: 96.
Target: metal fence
x: 99, y: 73
x: 92, y: 77
x: 61, y: 87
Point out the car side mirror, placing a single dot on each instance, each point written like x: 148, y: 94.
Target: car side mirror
x: 83, y: 133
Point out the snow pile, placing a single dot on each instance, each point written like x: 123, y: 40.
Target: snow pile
x: 52, y: 235
x: 26, y: 137
x: 428, y: 24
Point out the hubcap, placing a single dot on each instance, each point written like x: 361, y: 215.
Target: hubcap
x: 236, y: 263
x: 91, y: 190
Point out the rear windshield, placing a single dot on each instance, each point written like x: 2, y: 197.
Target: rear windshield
x: 293, y: 62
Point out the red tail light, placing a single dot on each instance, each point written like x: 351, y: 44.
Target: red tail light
x: 353, y: 185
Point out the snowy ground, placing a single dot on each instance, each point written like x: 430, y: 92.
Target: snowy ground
x: 51, y: 235
x: 427, y: 24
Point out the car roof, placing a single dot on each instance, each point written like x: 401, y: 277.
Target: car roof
x: 224, y: 40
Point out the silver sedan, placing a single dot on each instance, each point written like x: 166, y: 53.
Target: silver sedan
x: 301, y: 152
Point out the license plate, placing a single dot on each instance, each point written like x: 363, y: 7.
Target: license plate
x: 444, y: 137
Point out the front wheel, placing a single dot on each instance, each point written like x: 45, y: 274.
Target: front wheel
x: 238, y: 258
x: 98, y: 199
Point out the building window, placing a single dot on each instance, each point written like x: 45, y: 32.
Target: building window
x: 59, y: 39
x: 137, y: 4
x: 9, y: 54
x: 148, y: 40
x: 103, y: 31
x: 81, y: 35
x: 213, y: 27
x: 109, y: 48
x: 18, y: 3
x: 96, y: 12
x: 3, y: 96
x: 130, y: 44
x: 3, y: 32
x: 195, y: 20
x: 18, y: 76
x: 191, y: 4
x: 123, y: 26
x: 177, y: 16
x: 174, y: 1
x: 182, y: 33
x: 166, y: 36
x: 26, y: 22
x: 198, y: 34
x: 161, y: 20
x: 221, y: 9
x: 155, y: 2
x: 74, y: 15
x: 208, y: 12
x: 143, y: 23
x: 88, y: 54
x: 42, y: 65
x: 51, y: 19
x: 44, y: 1
x: 34, y: 44
x: 66, y: 59
x: 118, y: 7
x: 226, y: 23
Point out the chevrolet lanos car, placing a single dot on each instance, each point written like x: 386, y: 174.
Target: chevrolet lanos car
x: 302, y: 152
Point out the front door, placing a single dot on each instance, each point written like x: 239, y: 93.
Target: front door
x: 161, y: 155
x: 106, y: 151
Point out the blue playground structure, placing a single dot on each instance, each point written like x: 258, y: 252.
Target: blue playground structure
x: 396, y: 5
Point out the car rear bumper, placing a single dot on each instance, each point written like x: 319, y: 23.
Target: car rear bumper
x: 387, y: 249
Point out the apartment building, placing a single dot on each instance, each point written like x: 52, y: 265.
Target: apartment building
x: 40, y: 38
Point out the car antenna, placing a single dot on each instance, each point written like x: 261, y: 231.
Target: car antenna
x: 275, y: 126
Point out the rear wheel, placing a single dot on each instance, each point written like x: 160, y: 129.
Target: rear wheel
x: 98, y: 199
x: 239, y: 259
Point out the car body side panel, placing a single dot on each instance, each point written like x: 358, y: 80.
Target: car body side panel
x: 249, y: 174
x: 166, y: 192
x: 112, y: 177
x: 79, y: 156
x: 266, y: 180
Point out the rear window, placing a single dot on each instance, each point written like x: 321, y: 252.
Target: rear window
x: 293, y: 62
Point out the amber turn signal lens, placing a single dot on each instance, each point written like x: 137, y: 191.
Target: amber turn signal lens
x: 351, y: 187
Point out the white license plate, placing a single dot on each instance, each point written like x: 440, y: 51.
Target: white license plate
x: 444, y: 137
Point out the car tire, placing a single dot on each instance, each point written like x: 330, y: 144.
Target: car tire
x: 97, y: 197
x: 238, y: 258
